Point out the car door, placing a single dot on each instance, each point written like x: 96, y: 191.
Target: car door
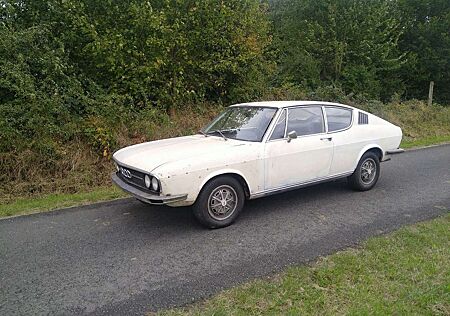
x: 346, y: 146
x: 304, y: 159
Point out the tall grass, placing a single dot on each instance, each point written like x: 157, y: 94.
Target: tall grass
x: 78, y: 166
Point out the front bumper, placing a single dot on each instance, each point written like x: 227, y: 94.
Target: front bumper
x: 147, y: 197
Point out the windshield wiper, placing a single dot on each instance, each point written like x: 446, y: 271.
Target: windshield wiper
x: 218, y: 131
x: 203, y: 133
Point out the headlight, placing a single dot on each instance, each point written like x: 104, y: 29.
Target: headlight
x: 148, y: 182
x: 155, y: 184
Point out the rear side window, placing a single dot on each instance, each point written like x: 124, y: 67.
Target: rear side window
x: 338, y: 118
x: 305, y: 120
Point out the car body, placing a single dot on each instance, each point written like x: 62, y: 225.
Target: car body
x: 276, y: 146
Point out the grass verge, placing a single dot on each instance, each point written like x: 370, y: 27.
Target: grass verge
x: 403, y: 273
x: 55, y: 201
x: 426, y: 141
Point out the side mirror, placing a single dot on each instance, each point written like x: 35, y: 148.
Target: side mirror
x: 291, y: 135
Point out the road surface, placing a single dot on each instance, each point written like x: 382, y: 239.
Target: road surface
x: 123, y: 257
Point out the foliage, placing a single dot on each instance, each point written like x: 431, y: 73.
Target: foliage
x: 35, y: 90
x: 161, y: 52
x: 79, y: 165
x: 352, y: 44
x: 79, y: 71
x: 427, y: 41
x: 96, y: 75
x: 374, y: 48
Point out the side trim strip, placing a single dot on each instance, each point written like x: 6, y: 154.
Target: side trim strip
x: 294, y: 186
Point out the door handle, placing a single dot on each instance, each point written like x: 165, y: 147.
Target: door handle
x: 327, y: 138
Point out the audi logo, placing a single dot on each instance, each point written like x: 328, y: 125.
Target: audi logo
x: 126, y: 173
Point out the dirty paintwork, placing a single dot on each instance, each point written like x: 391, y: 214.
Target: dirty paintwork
x: 184, y: 165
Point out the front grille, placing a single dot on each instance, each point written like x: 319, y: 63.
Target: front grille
x: 363, y: 119
x: 133, y: 177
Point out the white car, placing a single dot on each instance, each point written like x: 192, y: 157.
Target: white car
x: 255, y: 149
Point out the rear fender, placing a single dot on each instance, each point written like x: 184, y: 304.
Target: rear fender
x: 366, y: 149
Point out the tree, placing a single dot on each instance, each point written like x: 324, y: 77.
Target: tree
x: 62, y: 61
x: 352, y: 43
x: 427, y: 41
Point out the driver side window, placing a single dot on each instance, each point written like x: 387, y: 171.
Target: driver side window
x: 306, y: 120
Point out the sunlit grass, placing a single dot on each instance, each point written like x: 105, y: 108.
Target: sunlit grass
x: 426, y: 141
x: 404, y: 273
x: 55, y: 201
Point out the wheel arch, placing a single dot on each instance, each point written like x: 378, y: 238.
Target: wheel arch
x: 373, y: 148
x: 232, y: 173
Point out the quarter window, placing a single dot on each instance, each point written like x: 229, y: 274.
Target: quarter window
x: 305, y: 120
x: 338, y: 118
x: 280, y: 128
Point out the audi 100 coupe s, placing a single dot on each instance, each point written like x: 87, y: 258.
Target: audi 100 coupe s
x: 255, y: 149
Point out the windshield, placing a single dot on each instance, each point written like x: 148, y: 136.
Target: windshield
x: 242, y: 123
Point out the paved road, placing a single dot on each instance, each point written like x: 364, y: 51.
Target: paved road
x: 123, y: 257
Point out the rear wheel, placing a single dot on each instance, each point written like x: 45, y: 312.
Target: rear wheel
x: 220, y: 202
x: 367, y: 172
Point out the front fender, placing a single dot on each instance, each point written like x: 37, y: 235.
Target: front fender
x: 193, y: 182
x: 223, y: 172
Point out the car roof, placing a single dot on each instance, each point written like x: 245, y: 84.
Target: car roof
x: 283, y: 104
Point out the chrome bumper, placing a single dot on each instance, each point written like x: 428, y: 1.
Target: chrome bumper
x: 395, y: 151
x: 144, y: 196
x: 387, y: 155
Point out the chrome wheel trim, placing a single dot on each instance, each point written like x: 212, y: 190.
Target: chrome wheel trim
x: 368, y: 171
x: 222, y: 202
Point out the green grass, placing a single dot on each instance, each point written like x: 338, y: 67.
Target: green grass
x: 55, y: 201
x: 426, y: 141
x: 403, y: 273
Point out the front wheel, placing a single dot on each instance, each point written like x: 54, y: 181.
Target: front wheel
x: 220, y: 202
x: 367, y: 172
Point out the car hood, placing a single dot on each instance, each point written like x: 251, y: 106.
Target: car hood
x: 151, y: 155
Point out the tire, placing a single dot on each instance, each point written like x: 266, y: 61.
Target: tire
x: 220, y: 202
x: 366, y: 173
